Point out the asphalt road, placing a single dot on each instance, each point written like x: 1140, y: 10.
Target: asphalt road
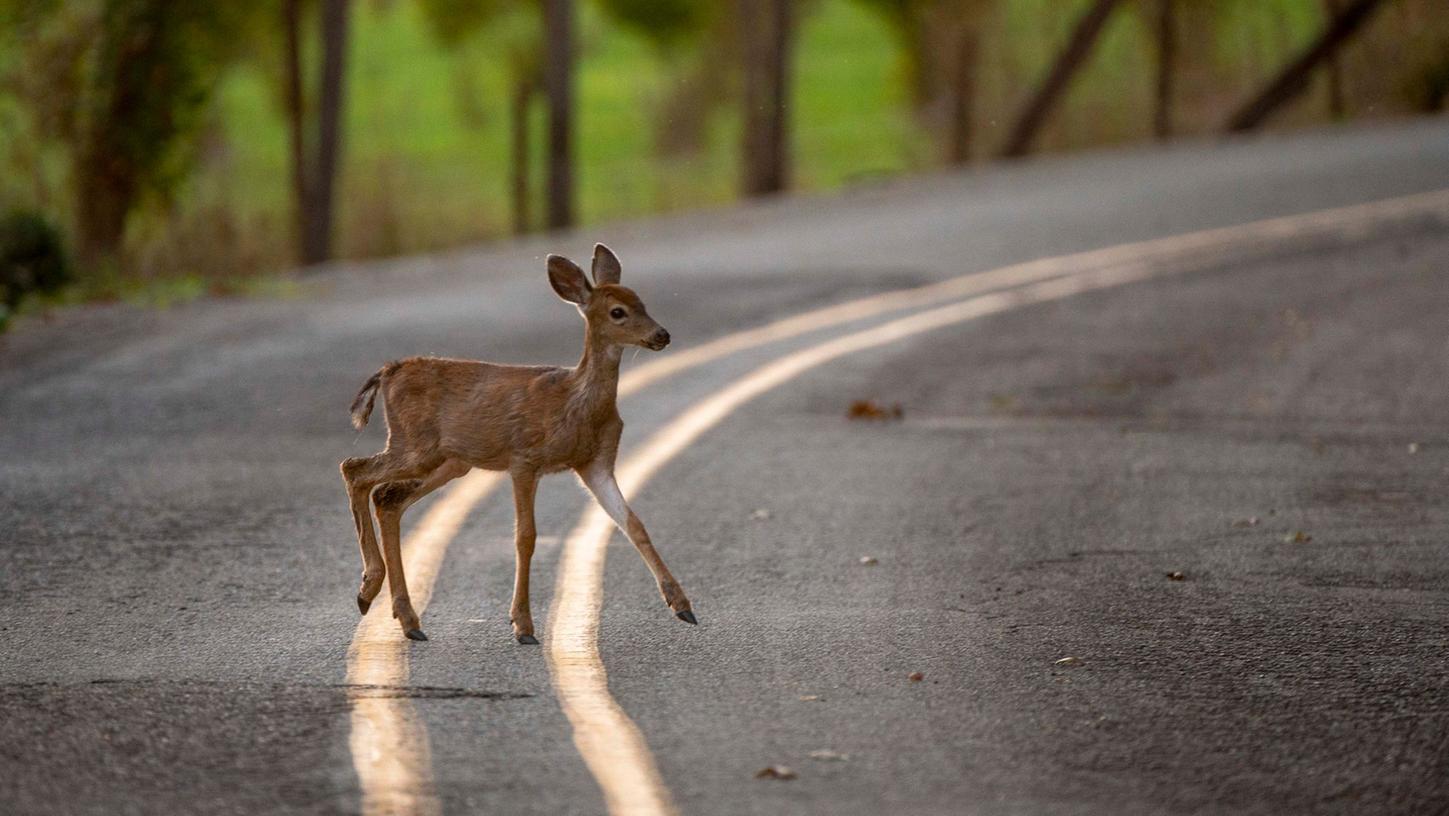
x: 177, y: 563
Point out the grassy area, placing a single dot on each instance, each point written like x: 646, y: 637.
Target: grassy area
x: 426, y: 152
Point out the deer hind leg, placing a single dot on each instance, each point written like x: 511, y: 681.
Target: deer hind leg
x: 373, y: 566
x: 525, y: 489
x: 362, y: 475
x: 390, y: 500
x: 600, y: 482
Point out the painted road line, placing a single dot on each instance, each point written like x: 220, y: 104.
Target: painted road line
x: 611, y: 744
x: 390, y: 748
x: 389, y: 745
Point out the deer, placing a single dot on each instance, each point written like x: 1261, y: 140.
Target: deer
x: 447, y: 416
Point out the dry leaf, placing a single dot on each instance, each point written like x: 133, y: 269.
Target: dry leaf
x: 1069, y: 661
x: 1175, y: 576
x: 775, y: 772
x: 829, y: 756
x: 810, y: 698
x: 1297, y: 537
x: 868, y: 409
x: 916, y: 677
x: 868, y: 561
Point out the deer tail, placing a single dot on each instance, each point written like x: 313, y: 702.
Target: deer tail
x: 362, y: 404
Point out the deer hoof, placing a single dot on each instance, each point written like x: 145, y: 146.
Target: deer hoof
x: 363, y: 604
x: 415, y: 634
x: 686, y: 616
x: 528, y: 640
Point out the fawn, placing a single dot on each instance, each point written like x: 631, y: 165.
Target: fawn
x: 447, y: 416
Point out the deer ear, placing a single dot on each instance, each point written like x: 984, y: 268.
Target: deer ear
x: 606, y: 266
x: 568, y: 280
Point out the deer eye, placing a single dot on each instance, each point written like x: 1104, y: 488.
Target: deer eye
x: 617, y: 313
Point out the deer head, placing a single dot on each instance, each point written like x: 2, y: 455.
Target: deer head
x: 614, y: 315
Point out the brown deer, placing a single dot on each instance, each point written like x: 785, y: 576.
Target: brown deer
x: 447, y: 416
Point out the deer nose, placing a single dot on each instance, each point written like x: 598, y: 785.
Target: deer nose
x: 661, y: 337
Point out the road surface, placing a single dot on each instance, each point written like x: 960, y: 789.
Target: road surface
x: 1255, y: 410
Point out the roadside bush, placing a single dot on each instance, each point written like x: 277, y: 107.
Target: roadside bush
x: 32, y: 259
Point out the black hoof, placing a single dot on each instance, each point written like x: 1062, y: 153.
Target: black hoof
x: 363, y: 605
x: 528, y: 640
x: 415, y: 634
x: 686, y: 616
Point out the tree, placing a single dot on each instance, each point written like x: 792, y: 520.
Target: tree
x: 454, y: 23
x: 314, y: 166
x: 1064, y: 69
x: 765, y: 40
x: 123, y: 86
x: 558, y: 82
x: 1166, y: 68
x: 941, y: 45
x: 1292, y: 81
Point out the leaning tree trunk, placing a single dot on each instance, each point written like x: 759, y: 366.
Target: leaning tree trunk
x: 558, y: 81
x: 1292, y: 81
x: 1166, y: 68
x: 1069, y: 61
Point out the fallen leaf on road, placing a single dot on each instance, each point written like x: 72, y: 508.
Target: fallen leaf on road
x: 868, y: 561
x: 1297, y: 537
x: 775, y: 772
x: 829, y: 756
x: 1069, y: 661
x: 760, y: 515
x: 810, y: 698
x: 1175, y: 576
x: 868, y: 409
x: 916, y: 677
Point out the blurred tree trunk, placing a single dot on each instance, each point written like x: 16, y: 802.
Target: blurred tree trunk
x: 1292, y: 81
x: 109, y: 172
x: 314, y: 168
x: 1337, y: 108
x: 523, y: 91
x: 765, y: 49
x: 1064, y: 69
x: 329, y: 127
x: 1166, y: 68
x: 296, y: 120
x: 558, y: 79
x: 963, y: 94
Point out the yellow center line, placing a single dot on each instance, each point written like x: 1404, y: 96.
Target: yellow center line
x: 611, y: 744
x: 390, y: 749
x: 389, y: 743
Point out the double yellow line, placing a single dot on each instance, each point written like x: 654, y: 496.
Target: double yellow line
x: 389, y: 745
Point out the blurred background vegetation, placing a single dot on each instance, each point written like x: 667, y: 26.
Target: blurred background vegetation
x: 180, y: 147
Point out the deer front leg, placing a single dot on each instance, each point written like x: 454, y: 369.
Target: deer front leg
x: 525, y: 489
x: 600, y: 481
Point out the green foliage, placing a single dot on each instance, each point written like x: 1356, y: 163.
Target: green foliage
x: 665, y: 23
x: 124, y: 87
x: 32, y: 259
x: 454, y: 21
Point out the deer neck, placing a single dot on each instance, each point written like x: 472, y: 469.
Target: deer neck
x: 595, y: 380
